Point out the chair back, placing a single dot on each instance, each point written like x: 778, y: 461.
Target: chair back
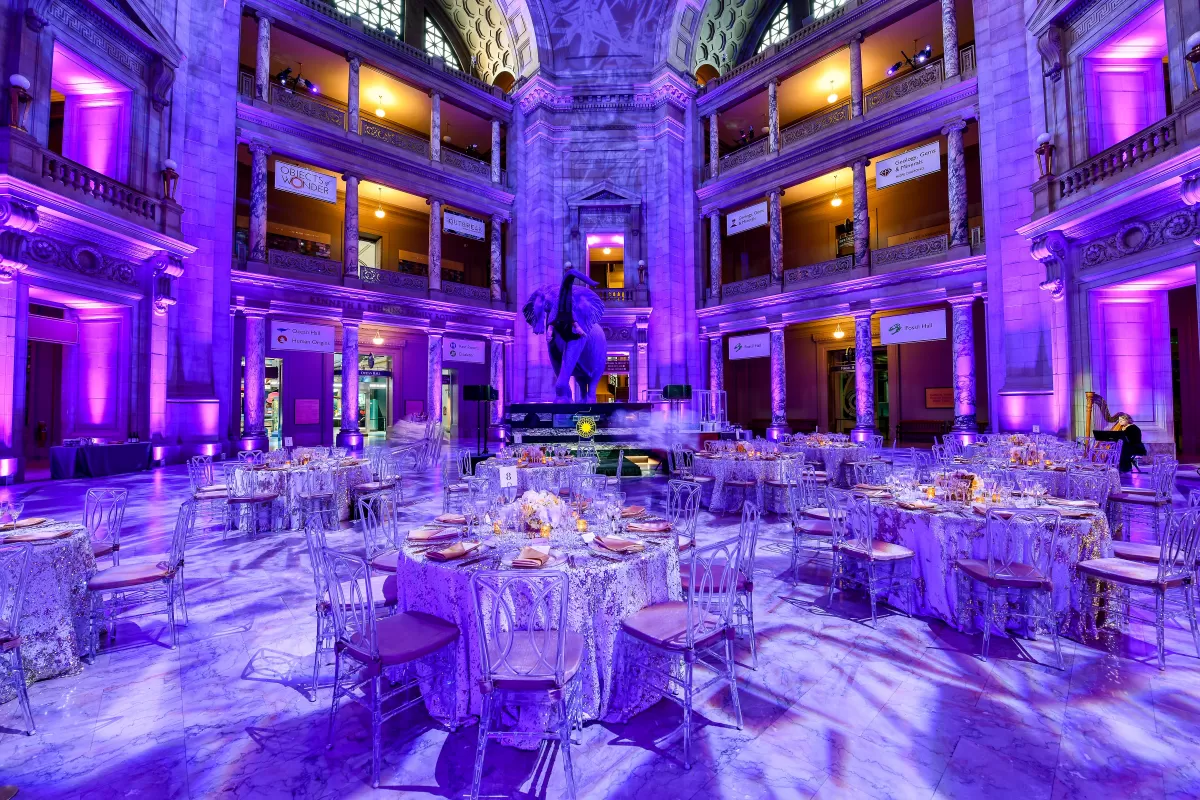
x: 592, y: 486
x: 586, y: 450
x: 1193, y: 498
x: 683, y: 507
x: 851, y: 520
x: 200, y: 472
x: 522, y: 624
x: 1162, y: 478
x: 620, y: 466
x: 712, y: 588
x: 1177, y: 555
x: 243, y: 480
x: 405, y: 460
x: 380, y: 523
x: 748, y: 533
x: 14, y: 577
x: 1019, y: 537
x: 318, y: 478
x: 338, y: 453
x: 276, y: 458
x: 184, y: 522
x: 682, y: 463
x: 251, y: 456
x: 348, y: 581
x: 803, y: 490
x: 314, y: 538
x: 1107, y: 453
x: 871, y: 472
x: 104, y: 514
x: 1088, y: 484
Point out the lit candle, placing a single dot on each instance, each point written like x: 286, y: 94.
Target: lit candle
x: 581, y: 525
x: 931, y: 492
x: 496, y: 528
x: 545, y: 531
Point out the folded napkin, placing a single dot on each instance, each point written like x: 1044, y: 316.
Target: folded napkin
x: 874, y: 494
x: 919, y: 505
x: 632, y: 511
x: 451, y: 519
x: 620, y: 545
x: 651, y: 526
x: 25, y: 523
x: 456, y: 550
x: 983, y: 512
x: 533, y: 557
x: 1058, y: 501
x: 872, y: 487
x: 430, y: 534
x: 39, y: 536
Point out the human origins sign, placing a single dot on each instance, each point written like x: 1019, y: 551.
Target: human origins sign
x: 298, y: 336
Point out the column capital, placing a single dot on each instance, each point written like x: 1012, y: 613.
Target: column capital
x: 263, y: 17
x: 855, y: 37
x: 712, y: 213
x: 861, y: 313
x: 962, y: 299
x: 435, y: 94
x: 864, y: 162
x: 430, y: 201
x: 778, y: 190
x: 255, y: 313
x: 777, y: 326
x: 259, y: 147
x: 498, y: 218
x: 350, y: 176
x: 351, y: 324
x: 773, y: 83
x: 354, y: 59
x: 954, y: 125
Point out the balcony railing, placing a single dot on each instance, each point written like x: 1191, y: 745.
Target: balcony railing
x: 98, y: 186
x: 466, y: 163
x: 809, y: 272
x: 747, y: 286
x: 1146, y: 144
x: 393, y: 280
x: 902, y: 85
x: 631, y: 295
x: 298, y: 262
x: 815, y: 123
x: 466, y: 290
x: 910, y: 251
x: 966, y: 60
x: 745, y: 153
x: 395, y: 136
x: 317, y: 107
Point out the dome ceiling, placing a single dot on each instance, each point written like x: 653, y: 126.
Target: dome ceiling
x: 590, y: 35
x: 724, y: 26
x: 485, y: 32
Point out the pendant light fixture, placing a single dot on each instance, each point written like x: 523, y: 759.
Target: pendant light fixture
x: 379, y: 112
x: 377, y: 340
x: 838, y: 333
x: 379, y: 212
x: 837, y: 200
x: 833, y: 96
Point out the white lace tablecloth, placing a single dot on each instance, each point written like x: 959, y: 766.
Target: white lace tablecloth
x: 534, y: 476
x: 836, y: 461
x: 725, y: 467
x: 602, y: 595
x: 939, y: 539
x: 53, y: 622
x: 1055, y: 480
x: 285, y: 482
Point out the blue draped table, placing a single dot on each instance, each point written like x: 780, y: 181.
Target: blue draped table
x: 98, y: 460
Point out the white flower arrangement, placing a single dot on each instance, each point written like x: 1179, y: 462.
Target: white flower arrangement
x: 534, y: 509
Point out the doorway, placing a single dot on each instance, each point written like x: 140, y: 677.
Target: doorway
x: 843, y: 409
x: 43, y: 406
x: 450, y: 403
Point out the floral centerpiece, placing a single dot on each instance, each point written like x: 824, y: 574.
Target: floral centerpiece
x: 535, y: 512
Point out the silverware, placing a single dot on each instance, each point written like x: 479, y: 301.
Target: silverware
x: 471, y: 561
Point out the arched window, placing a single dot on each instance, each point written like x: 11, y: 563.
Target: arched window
x: 385, y: 14
x: 777, y: 31
x: 823, y: 8
x: 436, y: 43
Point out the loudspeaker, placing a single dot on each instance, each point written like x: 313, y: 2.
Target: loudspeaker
x: 677, y: 391
x: 480, y: 392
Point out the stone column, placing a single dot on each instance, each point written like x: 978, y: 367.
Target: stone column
x: 495, y: 151
x: 862, y: 218
x: 779, y: 424
x: 254, y: 430
x: 963, y: 343
x: 864, y: 379
x: 262, y: 64
x: 350, y: 229
x: 949, y: 40
x: 435, y: 127
x: 714, y: 145
x: 956, y: 179
x: 775, y: 210
x: 714, y: 254
x: 352, y: 94
x: 435, y: 245
x: 497, y: 264
x: 433, y: 394
x: 773, y: 114
x: 349, y: 435
x: 258, y: 201
x: 856, y: 77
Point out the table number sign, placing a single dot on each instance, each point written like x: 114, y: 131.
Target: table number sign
x: 508, y: 477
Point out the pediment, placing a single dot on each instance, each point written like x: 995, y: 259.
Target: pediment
x: 604, y: 193
x: 134, y: 18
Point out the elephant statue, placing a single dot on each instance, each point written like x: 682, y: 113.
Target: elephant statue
x: 570, y: 316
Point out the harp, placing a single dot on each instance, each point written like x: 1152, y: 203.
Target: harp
x: 1119, y: 421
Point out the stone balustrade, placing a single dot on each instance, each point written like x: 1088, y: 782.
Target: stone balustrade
x: 99, y: 187
x: 910, y: 251
x: 1146, y: 144
x: 298, y: 262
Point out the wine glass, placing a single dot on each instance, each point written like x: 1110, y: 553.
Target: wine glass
x: 14, y: 511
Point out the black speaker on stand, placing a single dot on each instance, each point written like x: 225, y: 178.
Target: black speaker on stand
x: 481, y: 393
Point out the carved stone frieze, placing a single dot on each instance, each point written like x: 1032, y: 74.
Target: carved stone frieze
x: 84, y: 259
x: 102, y: 34
x: 810, y: 272
x: 1136, y: 236
x: 910, y: 251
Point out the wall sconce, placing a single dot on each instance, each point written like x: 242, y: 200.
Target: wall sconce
x: 642, y: 272
x: 1045, y: 154
x: 838, y: 333
x: 1193, y: 56
x: 19, y: 99
x: 170, y: 178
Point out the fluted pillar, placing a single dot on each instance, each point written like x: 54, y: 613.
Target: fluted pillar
x: 435, y: 127
x: 433, y: 392
x: 258, y: 201
x: 862, y: 217
x: 864, y: 379
x: 714, y: 254
x: 254, y: 374
x: 435, y: 245
x: 775, y: 209
x: 262, y: 62
x: 949, y: 39
x: 956, y: 179
x: 497, y: 265
x: 856, y: 76
x: 779, y: 424
x: 495, y: 151
x: 963, y: 344
x: 773, y: 114
x: 714, y: 145
x: 349, y: 435
x: 352, y: 97
x: 350, y: 228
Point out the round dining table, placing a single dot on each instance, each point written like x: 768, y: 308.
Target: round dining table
x: 53, y: 622
x: 604, y: 589
x: 546, y: 476
x: 286, y: 482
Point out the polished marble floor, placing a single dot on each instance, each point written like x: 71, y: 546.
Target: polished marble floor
x: 836, y: 709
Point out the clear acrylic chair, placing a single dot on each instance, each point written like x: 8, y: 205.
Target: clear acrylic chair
x: 614, y: 482
x: 246, y: 500
x: 743, y: 606
x: 14, y: 577
x: 860, y: 556
x: 1088, y: 484
x: 683, y: 508
x: 103, y: 517
x: 1151, y: 505
x: 127, y: 587
x: 871, y: 473
x: 1015, y: 574
x: 1169, y: 583
x: 810, y: 535
x: 733, y: 484
x: 696, y: 630
x: 251, y: 456
x: 379, y: 518
x: 525, y: 647
x: 208, y: 493
x: 454, y: 479
x: 371, y: 649
x: 317, y: 491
